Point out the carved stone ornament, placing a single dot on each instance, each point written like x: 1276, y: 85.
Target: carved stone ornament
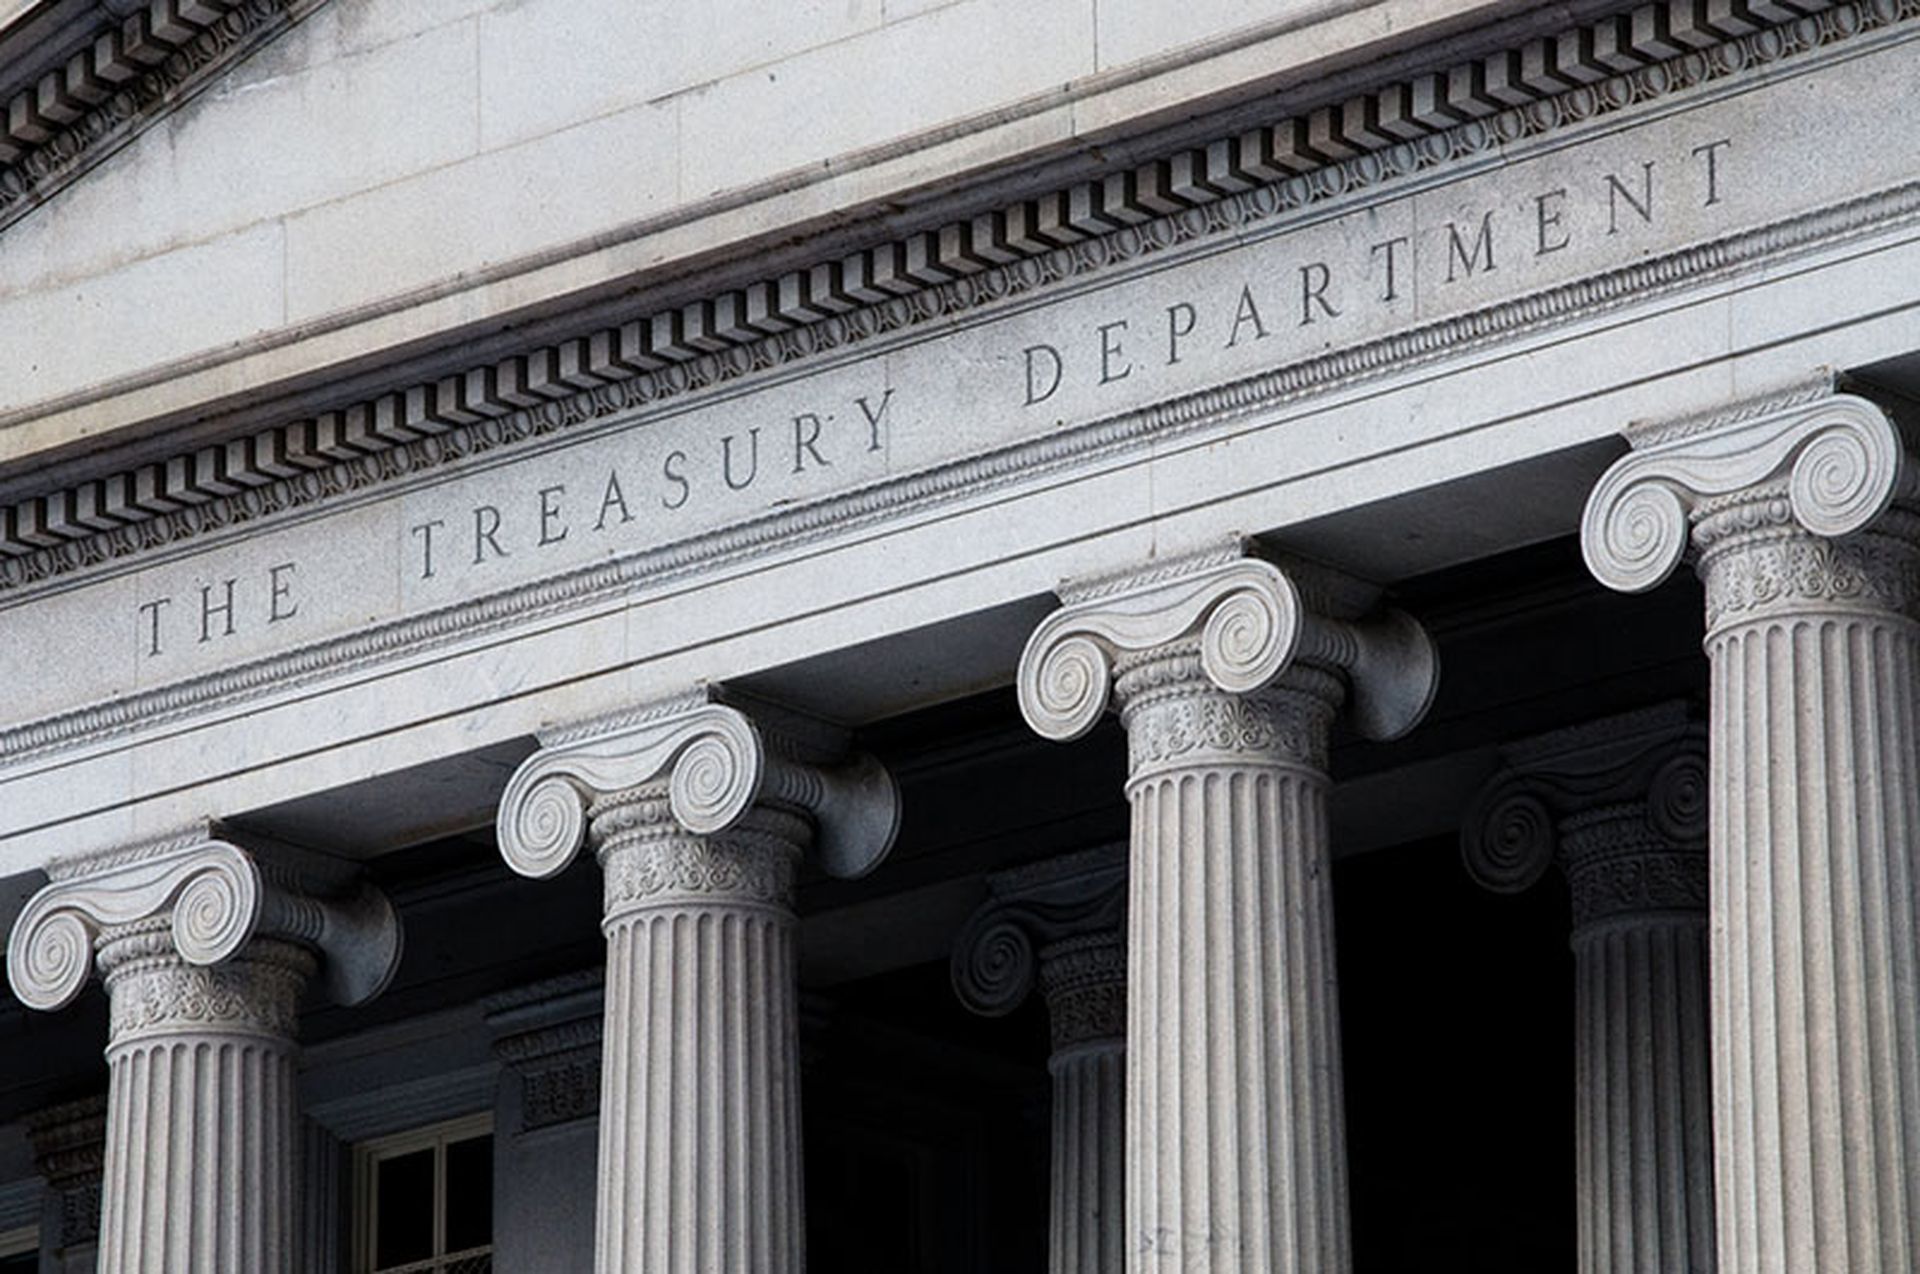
x: 1649, y: 767
x: 717, y: 763
x: 215, y: 897
x: 1252, y: 625
x: 1842, y: 458
x: 998, y: 954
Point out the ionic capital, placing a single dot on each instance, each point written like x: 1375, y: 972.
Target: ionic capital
x: 1059, y: 924
x: 211, y: 896
x: 1837, y: 460
x: 1251, y: 625
x: 1623, y: 800
x: 717, y: 762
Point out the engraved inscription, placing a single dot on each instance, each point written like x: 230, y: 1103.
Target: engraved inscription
x: 1378, y: 271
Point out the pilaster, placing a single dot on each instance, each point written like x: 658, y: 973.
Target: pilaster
x: 1620, y: 805
x: 1800, y: 515
x: 205, y: 946
x: 1228, y: 677
x: 699, y: 814
x: 1060, y: 925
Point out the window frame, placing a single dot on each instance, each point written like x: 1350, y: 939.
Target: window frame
x: 366, y: 1203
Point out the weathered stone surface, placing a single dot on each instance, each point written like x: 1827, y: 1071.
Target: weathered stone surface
x: 1800, y: 515
x: 205, y: 949
x: 1228, y: 682
x: 1308, y: 276
x: 699, y: 815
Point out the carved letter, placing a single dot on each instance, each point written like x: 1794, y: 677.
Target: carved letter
x: 278, y: 588
x: 1550, y: 220
x: 806, y: 432
x: 486, y: 526
x: 1248, y: 312
x: 613, y: 498
x: 208, y: 610
x: 1459, y: 258
x: 874, y: 416
x: 1109, y: 350
x: 425, y: 532
x: 1314, y: 278
x: 753, y: 455
x: 1616, y: 192
x: 152, y: 611
x: 1174, y: 329
x: 1391, y: 245
x: 550, y: 513
x: 1034, y: 393
x: 1712, y: 151
x: 673, y: 475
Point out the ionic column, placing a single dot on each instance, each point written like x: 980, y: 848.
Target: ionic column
x: 1621, y: 805
x: 1800, y: 515
x: 1060, y: 924
x: 699, y: 816
x: 204, y: 949
x: 1228, y: 686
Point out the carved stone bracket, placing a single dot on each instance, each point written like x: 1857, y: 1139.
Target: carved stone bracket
x: 718, y: 762
x: 214, y: 896
x: 1635, y: 784
x: 1251, y: 624
x: 1059, y: 924
x: 1841, y: 458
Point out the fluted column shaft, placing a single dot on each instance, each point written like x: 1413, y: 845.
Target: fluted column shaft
x: 201, y: 1114
x: 1643, y: 1105
x: 1235, y: 1118
x: 1815, y: 954
x: 700, y: 1149
x: 1084, y: 980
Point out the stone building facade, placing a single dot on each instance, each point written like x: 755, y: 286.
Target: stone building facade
x: 1228, y: 638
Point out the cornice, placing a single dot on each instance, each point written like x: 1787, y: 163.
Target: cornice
x: 353, y: 453
x: 129, y: 73
x: 1221, y: 189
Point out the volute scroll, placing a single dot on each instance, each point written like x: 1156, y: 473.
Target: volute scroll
x: 1842, y: 459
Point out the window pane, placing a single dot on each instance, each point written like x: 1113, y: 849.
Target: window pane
x: 469, y: 1193
x: 25, y: 1263
x: 403, y: 1185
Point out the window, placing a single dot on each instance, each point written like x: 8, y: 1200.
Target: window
x: 425, y: 1201
x: 20, y: 1251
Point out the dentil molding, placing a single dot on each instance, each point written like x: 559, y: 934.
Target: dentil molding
x: 140, y: 62
x: 358, y: 452
x: 1399, y: 131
